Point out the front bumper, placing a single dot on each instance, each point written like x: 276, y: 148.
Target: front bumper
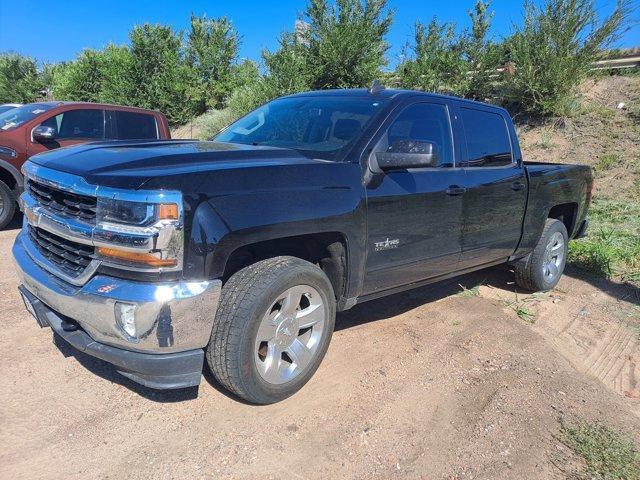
x: 161, y: 371
x: 172, y: 319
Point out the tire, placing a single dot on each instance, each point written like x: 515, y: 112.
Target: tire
x: 7, y: 205
x: 541, y: 269
x: 257, y: 320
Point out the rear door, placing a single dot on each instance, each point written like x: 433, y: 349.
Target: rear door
x: 79, y: 125
x: 133, y: 126
x: 413, y: 224
x: 496, y: 188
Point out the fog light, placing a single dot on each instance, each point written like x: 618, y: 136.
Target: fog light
x: 126, y: 318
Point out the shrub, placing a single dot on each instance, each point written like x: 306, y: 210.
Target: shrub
x: 212, y: 122
x: 554, y: 49
x: 345, y: 42
x: 442, y: 61
x: 436, y: 63
x: 482, y: 55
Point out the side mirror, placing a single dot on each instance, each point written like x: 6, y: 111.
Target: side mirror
x: 404, y: 154
x: 44, y: 134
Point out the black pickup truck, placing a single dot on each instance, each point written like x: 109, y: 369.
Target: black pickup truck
x: 156, y: 255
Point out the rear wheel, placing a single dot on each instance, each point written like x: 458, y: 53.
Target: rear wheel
x: 272, y: 329
x: 541, y: 269
x: 7, y: 205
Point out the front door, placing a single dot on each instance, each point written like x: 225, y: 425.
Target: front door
x: 413, y: 220
x: 496, y: 188
x: 71, y: 127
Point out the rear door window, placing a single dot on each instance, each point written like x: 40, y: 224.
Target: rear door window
x: 82, y: 124
x: 487, y: 139
x: 135, y: 126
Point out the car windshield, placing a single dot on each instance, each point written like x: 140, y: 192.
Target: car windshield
x: 320, y: 126
x: 6, y: 108
x: 20, y: 115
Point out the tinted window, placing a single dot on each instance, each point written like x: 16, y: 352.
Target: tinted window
x: 135, y: 126
x: 316, y: 126
x: 487, y: 139
x: 83, y: 124
x: 422, y: 122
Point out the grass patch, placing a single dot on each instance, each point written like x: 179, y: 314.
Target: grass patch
x: 468, y: 292
x: 608, y: 161
x: 613, y: 245
x: 522, y: 309
x: 545, y: 140
x: 608, y: 455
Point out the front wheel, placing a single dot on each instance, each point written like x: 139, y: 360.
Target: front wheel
x: 272, y: 329
x: 542, y: 268
x: 7, y: 205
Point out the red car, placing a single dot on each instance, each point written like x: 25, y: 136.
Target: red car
x: 39, y: 127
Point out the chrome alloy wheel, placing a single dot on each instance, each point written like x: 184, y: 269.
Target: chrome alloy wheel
x: 289, y: 334
x: 553, y: 257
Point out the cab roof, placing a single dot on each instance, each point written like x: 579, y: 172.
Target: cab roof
x: 385, y: 93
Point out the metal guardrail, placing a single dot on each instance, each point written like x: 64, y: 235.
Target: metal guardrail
x: 615, y: 63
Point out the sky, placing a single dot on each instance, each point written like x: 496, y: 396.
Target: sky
x: 57, y: 31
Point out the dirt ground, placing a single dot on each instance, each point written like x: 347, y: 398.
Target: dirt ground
x: 436, y: 383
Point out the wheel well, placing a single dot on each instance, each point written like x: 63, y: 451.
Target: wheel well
x: 566, y: 213
x: 327, y: 250
x: 8, y: 179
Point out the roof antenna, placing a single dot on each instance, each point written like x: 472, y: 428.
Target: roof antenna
x: 376, y: 87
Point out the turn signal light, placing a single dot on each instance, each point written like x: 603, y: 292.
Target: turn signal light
x: 135, y: 257
x: 168, y: 211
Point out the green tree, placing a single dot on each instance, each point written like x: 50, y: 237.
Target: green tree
x: 163, y: 79
x: 554, y: 49
x: 212, y: 51
x: 288, y: 69
x: 19, y: 82
x: 117, y: 85
x: 286, y: 72
x: 345, y: 42
x: 435, y: 61
x: 80, y: 80
x: 244, y: 73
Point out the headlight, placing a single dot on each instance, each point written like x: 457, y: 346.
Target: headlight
x: 8, y: 152
x: 135, y: 214
x: 140, y: 234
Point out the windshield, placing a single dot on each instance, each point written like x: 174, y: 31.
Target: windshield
x: 6, y: 108
x: 316, y: 126
x: 20, y: 115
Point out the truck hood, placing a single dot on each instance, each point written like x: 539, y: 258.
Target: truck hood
x: 129, y: 164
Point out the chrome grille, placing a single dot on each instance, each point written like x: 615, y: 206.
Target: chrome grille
x: 70, y: 257
x: 63, y: 202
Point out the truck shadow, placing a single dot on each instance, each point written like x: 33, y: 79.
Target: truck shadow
x: 108, y: 372
x: 15, y: 223
x: 500, y: 277
x: 625, y: 291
